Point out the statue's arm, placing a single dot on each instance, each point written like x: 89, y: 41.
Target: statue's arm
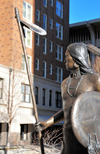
x: 59, y: 116
x: 97, y: 81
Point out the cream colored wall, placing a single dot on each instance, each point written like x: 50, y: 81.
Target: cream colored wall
x: 46, y: 110
x: 27, y: 108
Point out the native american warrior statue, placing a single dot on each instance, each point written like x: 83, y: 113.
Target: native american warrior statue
x: 81, y: 103
x: 80, y: 94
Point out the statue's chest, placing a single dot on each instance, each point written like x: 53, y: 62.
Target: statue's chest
x: 75, y: 87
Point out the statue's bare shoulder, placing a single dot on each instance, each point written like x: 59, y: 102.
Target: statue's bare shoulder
x: 96, y: 81
x: 64, y: 82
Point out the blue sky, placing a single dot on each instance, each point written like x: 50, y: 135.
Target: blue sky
x: 82, y: 10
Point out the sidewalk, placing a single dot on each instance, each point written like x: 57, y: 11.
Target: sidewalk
x: 33, y: 149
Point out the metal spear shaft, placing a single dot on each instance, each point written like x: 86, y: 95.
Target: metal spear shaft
x: 29, y: 78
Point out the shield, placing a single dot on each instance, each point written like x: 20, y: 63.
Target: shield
x: 85, y: 117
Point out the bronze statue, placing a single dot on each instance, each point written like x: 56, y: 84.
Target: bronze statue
x: 82, y: 79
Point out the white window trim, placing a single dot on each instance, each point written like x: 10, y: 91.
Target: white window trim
x: 37, y: 64
x: 51, y: 3
x: 61, y: 11
x: 25, y: 63
x: 26, y: 37
x: 58, y: 53
x: 45, y: 22
x: 38, y: 15
x: 61, y: 32
x: 51, y: 46
x: 44, y: 70
x: 50, y: 69
x: 26, y: 11
x: 38, y: 39
x: 46, y: 3
x: 51, y: 27
x: 45, y: 46
x: 57, y: 80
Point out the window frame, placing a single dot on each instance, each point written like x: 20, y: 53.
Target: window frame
x: 24, y: 94
x: 50, y: 97
x: 37, y: 64
x: 37, y: 38
x: 43, y: 96
x: 57, y: 100
x: 44, y: 69
x: 44, y: 45
x: 58, y: 53
x: 36, y: 94
x: 1, y: 88
x: 59, y: 10
x: 58, y: 75
x: 51, y: 23
x: 28, y: 56
x: 37, y: 15
x: 45, y: 3
x: 45, y: 22
x: 23, y: 132
x: 26, y: 38
x: 27, y: 11
x: 51, y: 46
x: 50, y: 69
x: 51, y: 2
x: 58, y: 31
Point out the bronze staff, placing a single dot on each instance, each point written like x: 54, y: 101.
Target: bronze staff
x: 29, y: 77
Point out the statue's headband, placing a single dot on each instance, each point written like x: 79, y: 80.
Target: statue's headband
x: 93, y: 49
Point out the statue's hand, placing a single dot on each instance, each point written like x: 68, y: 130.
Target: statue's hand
x: 40, y: 126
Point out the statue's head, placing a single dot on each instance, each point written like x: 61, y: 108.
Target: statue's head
x: 77, y: 56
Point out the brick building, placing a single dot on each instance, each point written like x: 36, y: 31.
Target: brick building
x: 45, y: 57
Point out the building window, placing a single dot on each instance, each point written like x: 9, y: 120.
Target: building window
x: 28, y: 38
x: 51, y: 23
x: 45, y: 3
x: 50, y: 69
x: 37, y: 39
x: 58, y: 100
x: 59, y: 52
x: 44, y: 45
x: 24, y: 63
x: 51, y: 2
x: 43, y: 103
x: 50, y: 97
x: 59, y: 74
x: 51, y: 44
x: 24, y: 132
x: 44, y: 69
x: 44, y: 21
x: 59, y: 31
x: 37, y: 15
x: 37, y: 64
x: 59, y: 9
x: 27, y: 11
x: 25, y: 93
x: 1, y: 88
x: 36, y: 94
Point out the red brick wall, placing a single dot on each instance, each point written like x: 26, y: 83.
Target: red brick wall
x: 10, y: 43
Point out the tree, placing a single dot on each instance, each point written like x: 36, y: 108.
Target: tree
x: 12, y: 100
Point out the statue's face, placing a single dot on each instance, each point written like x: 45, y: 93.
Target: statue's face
x: 69, y: 62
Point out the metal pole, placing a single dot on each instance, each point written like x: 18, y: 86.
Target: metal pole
x: 29, y: 77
